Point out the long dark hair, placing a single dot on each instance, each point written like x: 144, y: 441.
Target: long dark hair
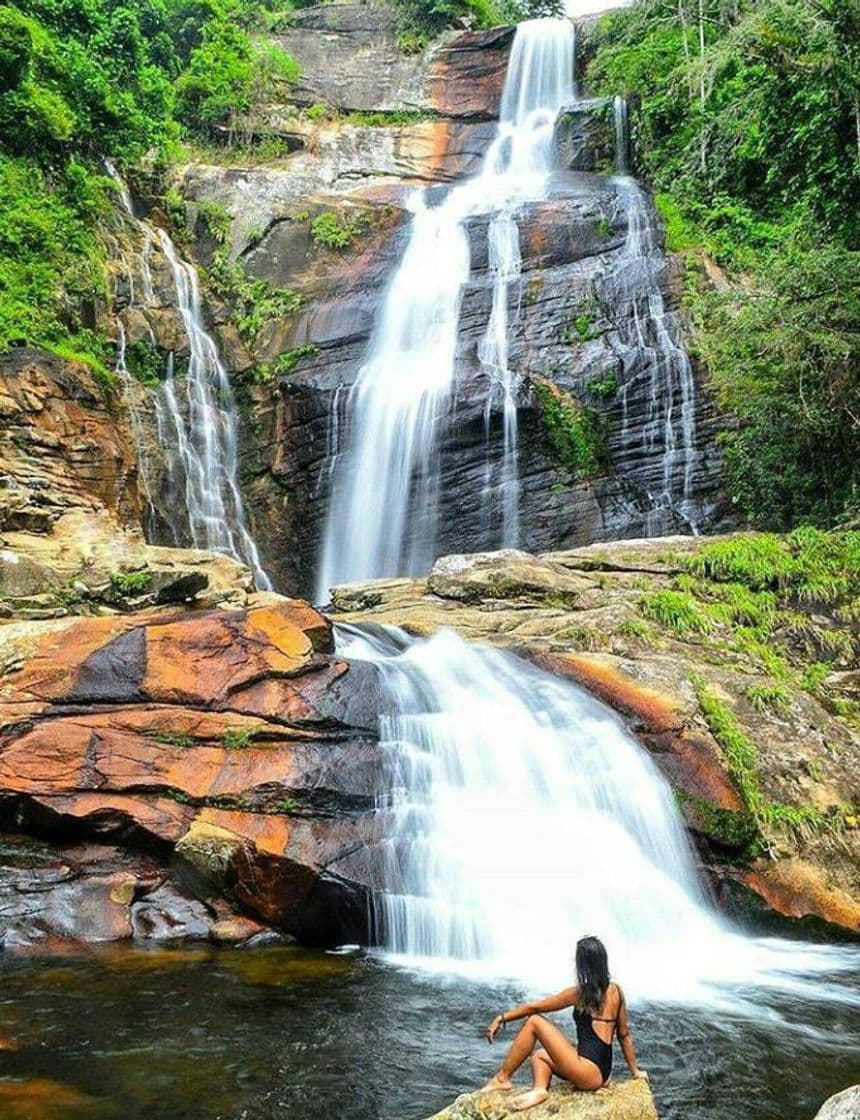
x: 592, y: 974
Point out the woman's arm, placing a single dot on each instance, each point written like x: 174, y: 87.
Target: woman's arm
x: 565, y: 998
x: 626, y: 1039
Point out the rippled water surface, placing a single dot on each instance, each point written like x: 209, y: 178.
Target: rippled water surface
x: 232, y: 1035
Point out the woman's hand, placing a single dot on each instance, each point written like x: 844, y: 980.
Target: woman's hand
x: 641, y: 1075
x: 494, y: 1028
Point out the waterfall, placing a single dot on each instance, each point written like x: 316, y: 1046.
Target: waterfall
x: 622, y: 136
x: 382, y: 515
x: 525, y: 816
x: 649, y: 330
x: 199, y: 416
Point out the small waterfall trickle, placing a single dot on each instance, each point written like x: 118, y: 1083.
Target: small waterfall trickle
x: 524, y: 816
x: 649, y: 341
x: 383, y: 509
x: 622, y: 136
x: 197, y: 421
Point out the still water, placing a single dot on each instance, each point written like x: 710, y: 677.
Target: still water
x: 206, y: 1034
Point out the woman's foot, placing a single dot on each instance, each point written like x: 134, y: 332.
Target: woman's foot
x: 497, y: 1084
x: 529, y: 1100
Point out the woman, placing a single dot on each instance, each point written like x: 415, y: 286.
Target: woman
x: 599, y: 1008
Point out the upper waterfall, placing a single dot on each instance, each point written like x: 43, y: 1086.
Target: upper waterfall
x: 382, y: 516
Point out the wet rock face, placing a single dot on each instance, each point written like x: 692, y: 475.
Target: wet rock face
x: 230, y: 744
x: 570, y: 323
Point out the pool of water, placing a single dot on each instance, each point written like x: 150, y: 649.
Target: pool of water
x: 206, y: 1034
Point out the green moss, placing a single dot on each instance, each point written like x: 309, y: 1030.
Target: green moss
x: 286, y: 805
x: 581, y: 331
x: 635, y: 628
x: 145, y: 362
x: 581, y: 637
x: 392, y: 119
x: 574, y: 432
x: 740, y: 753
x: 734, y: 830
x: 168, y: 738
x: 677, y: 611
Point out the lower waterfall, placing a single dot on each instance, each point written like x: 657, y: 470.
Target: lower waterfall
x: 526, y: 816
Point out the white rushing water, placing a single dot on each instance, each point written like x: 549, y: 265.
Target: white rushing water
x: 525, y: 816
x: 648, y: 328
x: 385, y: 489
x: 196, y: 415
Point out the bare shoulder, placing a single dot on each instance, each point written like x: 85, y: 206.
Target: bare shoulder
x: 618, y: 1001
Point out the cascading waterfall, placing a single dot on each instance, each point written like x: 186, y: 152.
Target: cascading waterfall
x: 526, y: 816
x: 647, y: 328
x: 197, y: 420
x: 385, y: 490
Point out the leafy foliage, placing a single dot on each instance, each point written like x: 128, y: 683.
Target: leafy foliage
x: 335, y: 231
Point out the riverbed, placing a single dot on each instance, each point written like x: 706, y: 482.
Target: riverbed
x: 210, y: 1034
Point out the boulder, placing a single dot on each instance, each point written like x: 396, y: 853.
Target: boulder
x: 623, y: 1100
x: 587, y: 614
x: 842, y: 1106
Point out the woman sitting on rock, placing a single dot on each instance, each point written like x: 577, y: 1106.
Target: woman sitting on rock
x: 599, y: 1008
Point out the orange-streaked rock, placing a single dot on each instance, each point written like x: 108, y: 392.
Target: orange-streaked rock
x: 218, y: 739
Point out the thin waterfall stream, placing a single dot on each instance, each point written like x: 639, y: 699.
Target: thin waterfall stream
x: 196, y: 416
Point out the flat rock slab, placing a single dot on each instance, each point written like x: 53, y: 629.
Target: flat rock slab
x: 628, y: 1100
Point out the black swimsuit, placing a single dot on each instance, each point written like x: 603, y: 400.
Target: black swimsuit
x: 590, y: 1045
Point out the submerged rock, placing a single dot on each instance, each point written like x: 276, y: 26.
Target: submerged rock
x: 625, y: 1100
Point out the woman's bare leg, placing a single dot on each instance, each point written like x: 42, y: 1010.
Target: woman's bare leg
x: 561, y: 1058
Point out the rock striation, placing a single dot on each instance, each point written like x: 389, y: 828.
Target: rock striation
x: 228, y: 748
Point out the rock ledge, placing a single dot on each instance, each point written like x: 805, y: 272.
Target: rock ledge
x: 626, y: 1100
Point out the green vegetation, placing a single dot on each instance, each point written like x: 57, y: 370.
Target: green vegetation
x: 170, y: 739
x: 421, y: 20
x: 130, y: 583
x: 85, y: 79
x: 768, y: 697
x: 574, y: 431
x: 287, y: 362
x: 236, y: 739
x: 581, y: 331
x: 746, y: 124
x: 336, y: 231
x: 677, y: 611
x: 808, y: 564
x: 605, y: 386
